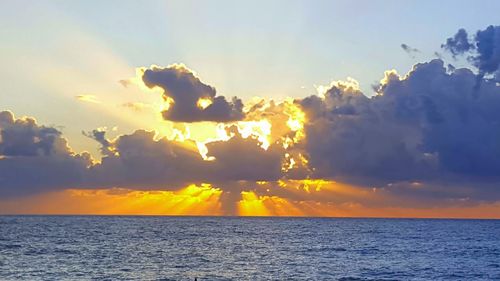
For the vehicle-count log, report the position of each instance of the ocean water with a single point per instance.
(223, 248)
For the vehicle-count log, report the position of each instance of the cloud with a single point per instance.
(137, 106)
(139, 161)
(431, 126)
(409, 50)
(125, 83)
(488, 49)
(136, 160)
(99, 135)
(458, 44)
(190, 99)
(88, 98)
(252, 163)
(347, 139)
(36, 158)
(483, 49)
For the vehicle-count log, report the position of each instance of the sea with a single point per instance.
(250, 248)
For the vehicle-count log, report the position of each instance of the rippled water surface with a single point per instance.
(209, 248)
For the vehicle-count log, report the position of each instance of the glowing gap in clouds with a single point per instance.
(207, 200)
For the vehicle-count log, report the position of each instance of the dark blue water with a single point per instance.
(209, 248)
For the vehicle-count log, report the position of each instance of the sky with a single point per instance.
(289, 108)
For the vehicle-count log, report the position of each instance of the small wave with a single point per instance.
(363, 279)
(125, 269)
(338, 249)
(10, 246)
(352, 279)
(13, 221)
(326, 249)
(65, 251)
(36, 252)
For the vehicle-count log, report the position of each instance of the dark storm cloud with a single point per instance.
(348, 138)
(185, 89)
(483, 49)
(36, 158)
(140, 161)
(242, 159)
(431, 125)
(23, 137)
(458, 44)
(488, 49)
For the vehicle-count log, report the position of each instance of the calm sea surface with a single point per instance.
(210, 248)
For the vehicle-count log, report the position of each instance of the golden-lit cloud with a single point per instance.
(191, 99)
(296, 119)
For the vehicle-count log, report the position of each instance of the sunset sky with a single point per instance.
(276, 108)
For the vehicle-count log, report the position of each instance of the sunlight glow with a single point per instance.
(192, 200)
(205, 199)
(253, 205)
(260, 130)
(168, 101)
(296, 120)
(203, 103)
(221, 135)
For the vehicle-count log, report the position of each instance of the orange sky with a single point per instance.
(206, 200)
